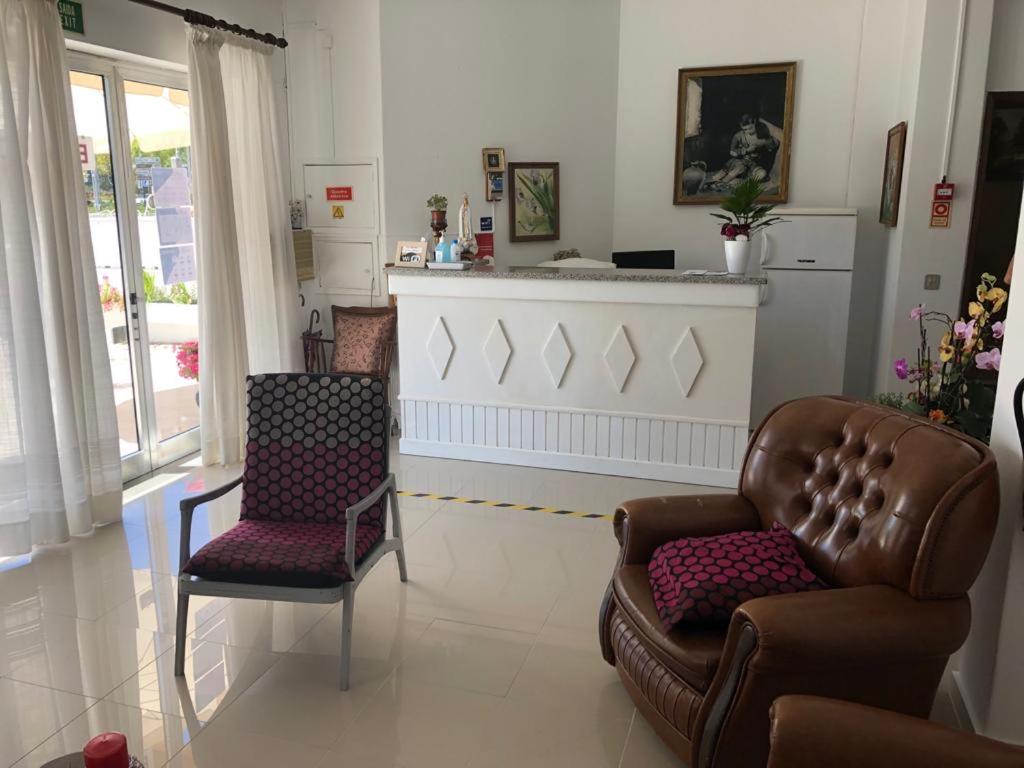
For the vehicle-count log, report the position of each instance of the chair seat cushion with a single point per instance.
(692, 654)
(701, 580)
(283, 554)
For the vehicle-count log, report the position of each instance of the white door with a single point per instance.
(801, 337)
(133, 130)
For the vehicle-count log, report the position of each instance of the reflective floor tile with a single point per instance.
(468, 657)
(29, 714)
(75, 655)
(215, 675)
(152, 737)
(408, 724)
(261, 624)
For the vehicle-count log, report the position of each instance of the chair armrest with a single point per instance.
(188, 507)
(855, 625)
(642, 525)
(352, 518)
(809, 732)
(873, 644)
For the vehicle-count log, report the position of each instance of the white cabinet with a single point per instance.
(345, 266)
(341, 196)
(342, 210)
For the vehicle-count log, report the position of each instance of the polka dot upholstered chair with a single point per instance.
(315, 489)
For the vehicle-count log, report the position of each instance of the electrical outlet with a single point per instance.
(932, 282)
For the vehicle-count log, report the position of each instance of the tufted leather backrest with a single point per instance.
(873, 495)
(315, 445)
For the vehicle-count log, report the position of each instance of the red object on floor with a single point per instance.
(108, 750)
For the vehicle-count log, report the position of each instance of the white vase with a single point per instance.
(737, 256)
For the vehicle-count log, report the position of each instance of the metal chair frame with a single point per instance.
(345, 592)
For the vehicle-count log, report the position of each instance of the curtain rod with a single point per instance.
(203, 19)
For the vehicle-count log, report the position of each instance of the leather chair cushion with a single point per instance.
(701, 580)
(285, 554)
(691, 654)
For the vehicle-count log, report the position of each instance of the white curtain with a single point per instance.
(248, 306)
(60, 469)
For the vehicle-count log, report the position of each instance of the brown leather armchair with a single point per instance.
(810, 732)
(894, 511)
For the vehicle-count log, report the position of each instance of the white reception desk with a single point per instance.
(643, 373)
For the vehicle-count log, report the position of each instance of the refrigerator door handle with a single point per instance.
(765, 247)
(764, 294)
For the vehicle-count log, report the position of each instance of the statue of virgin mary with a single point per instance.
(466, 236)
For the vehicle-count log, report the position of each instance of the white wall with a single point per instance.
(916, 249)
(1006, 57)
(536, 77)
(991, 669)
(991, 673)
(124, 26)
(850, 56)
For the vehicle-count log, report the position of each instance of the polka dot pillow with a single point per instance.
(700, 581)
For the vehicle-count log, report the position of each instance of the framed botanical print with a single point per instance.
(533, 202)
(892, 175)
(733, 124)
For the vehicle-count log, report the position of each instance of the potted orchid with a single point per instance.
(743, 217)
(954, 388)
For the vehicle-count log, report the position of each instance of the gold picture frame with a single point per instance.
(733, 123)
(493, 159)
(412, 253)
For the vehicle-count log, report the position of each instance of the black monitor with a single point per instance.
(644, 259)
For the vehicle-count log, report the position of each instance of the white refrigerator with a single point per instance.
(803, 319)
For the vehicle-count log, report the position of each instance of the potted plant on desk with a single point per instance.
(743, 217)
(438, 205)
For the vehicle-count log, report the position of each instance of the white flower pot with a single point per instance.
(737, 256)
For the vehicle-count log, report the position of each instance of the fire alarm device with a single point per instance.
(943, 192)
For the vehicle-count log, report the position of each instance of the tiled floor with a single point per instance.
(487, 657)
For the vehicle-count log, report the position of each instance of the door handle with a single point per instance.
(764, 294)
(765, 247)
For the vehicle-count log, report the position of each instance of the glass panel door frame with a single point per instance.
(153, 452)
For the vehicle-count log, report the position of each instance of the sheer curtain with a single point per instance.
(248, 307)
(60, 469)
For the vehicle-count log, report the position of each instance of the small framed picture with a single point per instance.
(411, 253)
(494, 160)
(892, 174)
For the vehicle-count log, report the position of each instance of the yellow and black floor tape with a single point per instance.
(505, 505)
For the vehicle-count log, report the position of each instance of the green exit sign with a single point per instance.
(71, 16)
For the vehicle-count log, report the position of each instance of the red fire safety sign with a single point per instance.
(339, 193)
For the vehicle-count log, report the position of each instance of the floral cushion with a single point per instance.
(361, 335)
(701, 581)
(285, 554)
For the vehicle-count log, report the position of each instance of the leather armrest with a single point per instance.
(809, 732)
(855, 625)
(642, 525)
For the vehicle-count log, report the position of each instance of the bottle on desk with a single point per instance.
(441, 250)
(455, 254)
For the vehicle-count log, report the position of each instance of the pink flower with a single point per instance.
(900, 367)
(988, 361)
(916, 312)
(963, 330)
(998, 328)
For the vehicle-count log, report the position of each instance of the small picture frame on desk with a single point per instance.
(411, 253)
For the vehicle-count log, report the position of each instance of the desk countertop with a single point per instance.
(555, 273)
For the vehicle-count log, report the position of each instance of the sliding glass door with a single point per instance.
(133, 129)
